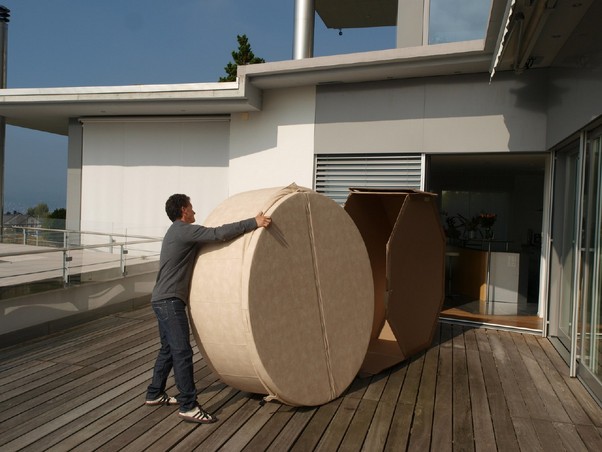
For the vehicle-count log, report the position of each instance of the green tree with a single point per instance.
(56, 220)
(39, 211)
(243, 56)
(58, 214)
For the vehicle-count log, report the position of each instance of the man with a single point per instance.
(170, 295)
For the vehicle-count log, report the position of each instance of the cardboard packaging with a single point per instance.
(405, 240)
(284, 311)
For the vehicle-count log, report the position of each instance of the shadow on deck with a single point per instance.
(474, 389)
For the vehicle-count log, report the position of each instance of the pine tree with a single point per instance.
(243, 56)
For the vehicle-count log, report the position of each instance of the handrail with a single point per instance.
(78, 247)
(110, 234)
(67, 250)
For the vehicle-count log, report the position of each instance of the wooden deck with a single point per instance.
(474, 389)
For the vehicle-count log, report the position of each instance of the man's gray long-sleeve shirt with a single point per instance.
(178, 251)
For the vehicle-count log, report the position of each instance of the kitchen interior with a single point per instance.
(491, 209)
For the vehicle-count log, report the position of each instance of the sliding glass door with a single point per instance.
(590, 365)
(575, 312)
(565, 250)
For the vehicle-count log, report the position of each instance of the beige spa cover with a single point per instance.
(285, 311)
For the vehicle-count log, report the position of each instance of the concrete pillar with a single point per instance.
(74, 175)
(303, 40)
(412, 23)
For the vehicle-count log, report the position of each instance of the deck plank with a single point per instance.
(392, 422)
(271, 429)
(584, 399)
(547, 435)
(505, 436)
(462, 411)
(442, 419)
(249, 429)
(526, 374)
(23, 386)
(379, 435)
(570, 437)
(590, 436)
(43, 346)
(539, 384)
(316, 427)
(293, 428)
(358, 428)
(71, 394)
(526, 435)
(238, 413)
(473, 389)
(223, 403)
(484, 436)
(425, 402)
(515, 398)
(333, 436)
(569, 402)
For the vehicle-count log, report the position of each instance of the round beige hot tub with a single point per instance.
(284, 311)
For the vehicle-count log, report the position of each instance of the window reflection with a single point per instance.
(458, 20)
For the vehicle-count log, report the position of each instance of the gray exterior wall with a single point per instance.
(574, 100)
(530, 112)
(461, 114)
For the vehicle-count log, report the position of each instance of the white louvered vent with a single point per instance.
(336, 173)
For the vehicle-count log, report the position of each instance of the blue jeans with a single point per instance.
(175, 353)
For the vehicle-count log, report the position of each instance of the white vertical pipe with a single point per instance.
(4, 19)
(303, 39)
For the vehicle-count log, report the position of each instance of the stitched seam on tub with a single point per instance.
(312, 242)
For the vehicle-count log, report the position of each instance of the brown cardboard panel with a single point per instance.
(285, 311)
(416, 273)
(375, 229)
(408, 273)
(382, 354)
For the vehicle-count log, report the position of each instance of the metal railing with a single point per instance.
(72, 256)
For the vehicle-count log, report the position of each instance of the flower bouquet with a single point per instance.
(487, 220)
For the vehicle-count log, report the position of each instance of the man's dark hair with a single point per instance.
(175, 204)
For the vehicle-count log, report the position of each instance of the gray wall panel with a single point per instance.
(575, 99)
(435, 115)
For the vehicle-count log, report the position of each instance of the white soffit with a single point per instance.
(49, 109)
(357, 13)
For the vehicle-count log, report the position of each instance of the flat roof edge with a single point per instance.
(378, 57)
(118, 89)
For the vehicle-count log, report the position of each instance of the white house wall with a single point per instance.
(274, 147)
(130, 167)
(460, 114)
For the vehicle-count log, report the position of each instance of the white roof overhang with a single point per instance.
(49, 109)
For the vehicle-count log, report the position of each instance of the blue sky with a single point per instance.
(124, 42)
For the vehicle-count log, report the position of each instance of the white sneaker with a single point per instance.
(198, 415)
(163, 399)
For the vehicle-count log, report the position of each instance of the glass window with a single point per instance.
(592, 264)
(458, 20)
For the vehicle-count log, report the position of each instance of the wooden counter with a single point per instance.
(470, 274)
